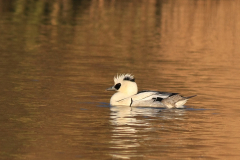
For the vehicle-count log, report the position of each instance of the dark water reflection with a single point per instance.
(58, 57)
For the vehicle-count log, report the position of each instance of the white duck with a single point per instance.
(127, 95)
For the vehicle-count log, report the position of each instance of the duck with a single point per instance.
(127, 95)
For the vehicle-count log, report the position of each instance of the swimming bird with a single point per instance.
(127, 95)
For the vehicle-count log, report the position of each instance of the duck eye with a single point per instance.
(117, 86)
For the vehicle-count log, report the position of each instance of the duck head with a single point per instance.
(125, 84)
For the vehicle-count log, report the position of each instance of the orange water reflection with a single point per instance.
(58, 57)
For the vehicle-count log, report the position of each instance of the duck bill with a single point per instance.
(111, 89)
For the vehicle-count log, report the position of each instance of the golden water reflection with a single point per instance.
(57, 58)
(127, 122)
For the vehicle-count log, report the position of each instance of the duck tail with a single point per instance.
(180, 103)
(190, 97)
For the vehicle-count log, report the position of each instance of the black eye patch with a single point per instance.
(117, 86)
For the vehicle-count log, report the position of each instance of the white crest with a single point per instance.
(120, 77)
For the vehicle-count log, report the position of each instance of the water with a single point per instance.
(57, 59)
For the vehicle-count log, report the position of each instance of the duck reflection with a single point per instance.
(130, 123)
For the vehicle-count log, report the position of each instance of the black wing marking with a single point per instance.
(157, 99)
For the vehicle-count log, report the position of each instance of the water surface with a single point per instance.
(57, 59)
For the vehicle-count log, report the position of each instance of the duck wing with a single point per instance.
(144, 95)
(147, 98)
(152, 95)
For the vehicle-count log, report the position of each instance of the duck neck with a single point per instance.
(131, 89)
